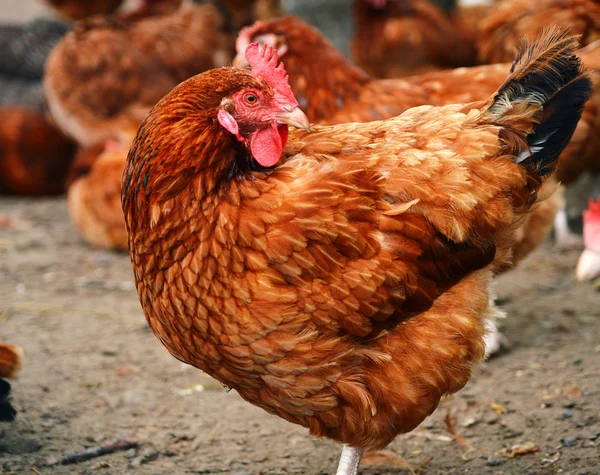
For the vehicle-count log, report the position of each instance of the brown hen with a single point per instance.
(106, 74)
(510, 20)
(339, 280)
(93, 196)
(77, 9)
(34, 155)
(395, 38)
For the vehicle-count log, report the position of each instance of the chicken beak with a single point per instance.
(239, 61)
(588, 266)
(294, 117)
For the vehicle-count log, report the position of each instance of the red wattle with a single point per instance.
(267, 145)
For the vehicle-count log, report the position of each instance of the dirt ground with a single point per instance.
(93, 372)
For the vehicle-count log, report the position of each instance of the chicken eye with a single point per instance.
(250, 99)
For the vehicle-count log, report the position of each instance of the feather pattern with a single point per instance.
(346, 288)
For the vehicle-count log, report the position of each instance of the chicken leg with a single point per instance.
(349, 461)
(563, 235)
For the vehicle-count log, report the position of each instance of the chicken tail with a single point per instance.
(7, 411)
(540, 104)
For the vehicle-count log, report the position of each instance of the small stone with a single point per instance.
(148, 455)
(577, 362)
(12, 443)
(569, 441)
(131, 453)
(492, 420)
(494, 462)
(567, 414)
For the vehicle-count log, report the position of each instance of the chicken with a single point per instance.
(511, 20)
(588, 266)
(244, 12)
(106, 74)
(340, 278)
(77, 9)
(34, 155)
(10, 365)
(395, 38)
(94, 190)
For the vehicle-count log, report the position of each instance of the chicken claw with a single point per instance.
(349, 461)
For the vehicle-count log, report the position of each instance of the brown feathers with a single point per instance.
(34, 155)
(511, 20)
(94, 192)
(406, 37)
(11, 357)
(346, 288)
(105, 75)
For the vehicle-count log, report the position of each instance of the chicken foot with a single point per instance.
(349, 461)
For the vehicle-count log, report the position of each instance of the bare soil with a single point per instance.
(93, 372)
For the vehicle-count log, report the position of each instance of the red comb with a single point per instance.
(264, 65)
(245, 36)
(591, 225)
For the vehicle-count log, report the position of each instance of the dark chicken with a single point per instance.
(319, 274)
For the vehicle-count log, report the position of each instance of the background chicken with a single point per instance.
(395, 38)
(339, 281)
(34, 155)
(106, 74)
(10, 365)
(77, 9)
(94, 190)
(588, 266)
(510, 20)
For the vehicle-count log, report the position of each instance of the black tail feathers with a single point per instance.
(544, 97)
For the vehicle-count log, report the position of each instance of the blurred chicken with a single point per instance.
(23, 52)
(77, 9)
(469, 19)
(337, 276)
(511, 20)
(395, 38)
(588, 266)
(94, 190)
(105, 75)
(11, 357)
(34, 155)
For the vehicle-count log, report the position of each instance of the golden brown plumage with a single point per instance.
(93, 195)
(344, 288)
(331, 91)
(404, 37)
(511, 20)
(34, 155)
